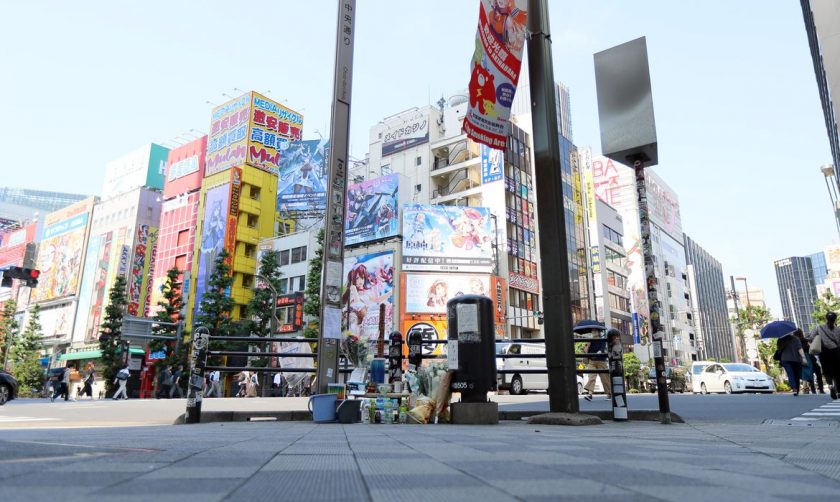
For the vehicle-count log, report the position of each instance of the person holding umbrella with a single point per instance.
(789, 350)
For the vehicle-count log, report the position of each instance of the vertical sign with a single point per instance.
(331, 274)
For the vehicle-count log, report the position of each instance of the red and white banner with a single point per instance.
(495, 70)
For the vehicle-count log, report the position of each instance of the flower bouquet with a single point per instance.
(356, 349)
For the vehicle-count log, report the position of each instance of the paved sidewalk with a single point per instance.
(511, 461)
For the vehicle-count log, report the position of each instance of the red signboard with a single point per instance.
(185, 168)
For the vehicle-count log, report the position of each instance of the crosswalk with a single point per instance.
(6, 419)
(828, 411)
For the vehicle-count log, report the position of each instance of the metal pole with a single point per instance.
(272, 328)
(654, 305)
(738, 332)
(332, 271)
(198, 361)
(557, 301)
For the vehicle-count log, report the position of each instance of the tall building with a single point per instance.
(238, 197)
(18, 248)
(143, 167)
(20, 205)
(615, 184)
(61, 259)
(609, 269)
(822, 24)
(179, 216)
(820, 267)
(708, 300)
(797, 289)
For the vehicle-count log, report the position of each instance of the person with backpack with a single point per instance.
(176, 382)
(122, 380)
(829, 351)
(88, 381)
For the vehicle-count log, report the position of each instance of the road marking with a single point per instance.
(25, 419)
(828, 411)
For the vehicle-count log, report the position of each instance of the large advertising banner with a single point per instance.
(372, 210)
(212, 236)
(270, 129)
(233, 213)
(369, 283)
(491, 165)
(663, 205)
(496, 62)
(405, 132)
(227, 144)
(60, 258)
(428, 293)
(447, 239)
(498, 293)
(302, 182)
(86, 287)
(57, 321)
(140, 263)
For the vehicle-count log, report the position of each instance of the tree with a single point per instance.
(25, 355)
(822, 306)
(633, 370)
(170, 312)
(260, 308)
(753, 317)
(312, 303)
(110, 334)
(9, 329)
(216, 304)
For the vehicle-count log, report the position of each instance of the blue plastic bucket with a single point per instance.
(322, 407)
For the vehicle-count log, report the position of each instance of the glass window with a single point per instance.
(284, 286)
(284, 257)
(299, 254)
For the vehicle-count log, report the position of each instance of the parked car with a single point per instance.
(521, 383)
(732, 378)
(674, 378)
(8, 387)
(697, 368)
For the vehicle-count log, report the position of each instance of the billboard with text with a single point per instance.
(368, 283)
(428, 293)
(302, 181)
(447, 238)
(372, 210)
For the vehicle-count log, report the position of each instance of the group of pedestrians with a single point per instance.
(169, 382)
(65, 382)
(810, 358)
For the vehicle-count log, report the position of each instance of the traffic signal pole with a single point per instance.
(557, 301)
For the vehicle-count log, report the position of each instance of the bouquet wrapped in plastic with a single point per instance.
(433, 393)
(356, 349)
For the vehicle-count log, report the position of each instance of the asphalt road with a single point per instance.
(724, 409)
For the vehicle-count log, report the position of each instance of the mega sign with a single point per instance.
(227, 143)
(405, 135)
(271, 128)
(447, 238)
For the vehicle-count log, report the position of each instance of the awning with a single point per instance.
(96, 354)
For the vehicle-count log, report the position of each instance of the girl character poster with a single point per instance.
(369, 283)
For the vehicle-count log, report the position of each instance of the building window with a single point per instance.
(612, 235)
(301, 283)
(255, 192)
(183, 237)
(253, 220)
(419, 161)
(247, 280)
(250, 250)
(299, 254)
(243, 311)
(181, 262)
(284, 257)
(284, 286)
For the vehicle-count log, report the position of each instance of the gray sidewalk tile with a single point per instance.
(303, 485)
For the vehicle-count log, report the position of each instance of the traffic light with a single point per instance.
(29, 276)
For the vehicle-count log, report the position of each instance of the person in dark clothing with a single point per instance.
(792, 357)
(62, 386)
(176, 382)
(829, 357)
(88, 381)
(164, 382)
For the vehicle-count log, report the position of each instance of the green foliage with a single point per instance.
(169, 310)
(633, 371)
(312, 293)
(110, 333)
(753, 317)
(260, 307)
(9, 328)
(822, 306)
(25, 353)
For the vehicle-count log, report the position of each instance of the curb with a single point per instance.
(305, 416)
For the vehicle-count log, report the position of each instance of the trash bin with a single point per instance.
(471, 348)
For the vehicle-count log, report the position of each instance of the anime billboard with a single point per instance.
(372, 210)
(302, 182)
(212, 237)
(60, 258)
(447, 239)
(369, 283)
(491, 165)
(428, 293)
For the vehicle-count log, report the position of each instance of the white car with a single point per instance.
(521, 383)
(733, 378)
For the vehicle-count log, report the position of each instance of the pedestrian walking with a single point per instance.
(122, 380)
(829, 356)
(251, 386)
(279, 384)
(597, 359)
(89, 379)
(60, 385)
(164, 382)
(176, 382)
(790, 354)
(244, 377)
(215, 386)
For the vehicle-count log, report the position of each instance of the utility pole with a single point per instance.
(557, 301)
(332, 271)
(738, 332)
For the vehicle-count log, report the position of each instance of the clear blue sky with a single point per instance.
(740, 129)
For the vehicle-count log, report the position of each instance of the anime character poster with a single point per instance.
(495, 66)
(212, 237)
(447, 239)
(491, 164)
(371, 210)
(302, 181)
(368, 283)
(146, 237)
(60, 259)
(428, 293)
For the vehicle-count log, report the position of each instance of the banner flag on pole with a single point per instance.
(496, 62)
